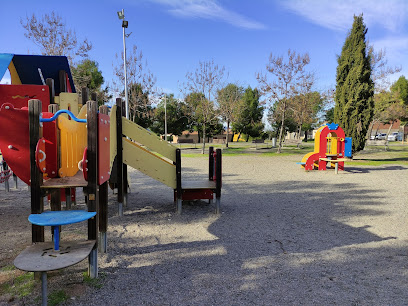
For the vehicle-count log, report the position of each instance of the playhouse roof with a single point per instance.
(27, 68)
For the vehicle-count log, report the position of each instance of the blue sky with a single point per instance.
(175, 35)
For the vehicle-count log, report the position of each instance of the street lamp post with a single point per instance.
(125, 23)
(165, 117)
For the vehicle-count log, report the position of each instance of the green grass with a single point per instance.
(21, 286)
(7, 268)
(57, 297)
(94, 282)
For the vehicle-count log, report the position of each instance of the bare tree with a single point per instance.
(141, 85)
(50, 33)
(206, 79)
(287, 78)
(381, 71)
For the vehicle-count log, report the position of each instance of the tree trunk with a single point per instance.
(386, 136)
(370, 130)
(226, 143)
(306, 136)
(281, 129)
(202, 152)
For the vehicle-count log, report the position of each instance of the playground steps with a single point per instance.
(41, 257)
(65, 182)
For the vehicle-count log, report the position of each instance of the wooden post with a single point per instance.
(15, 181)
(218, 182)
(6, 180)
(178, 179)
(125, 173)
(119, 156)
(211, 163)
(62, 80)
(103, 206)
(36, 177)
(93, 192)
(84, 95)
(94, 97)
(50, 84)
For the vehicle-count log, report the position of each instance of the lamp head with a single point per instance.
(125, 24)
(121, 14)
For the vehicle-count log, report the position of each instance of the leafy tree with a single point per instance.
(229, 99)
(202, 84)
(177, 121)
(87, 74)
(274, 117)
(249, 114)
(354, 107)
(287, 78)
(401, 86)
(329, 116)
(305, 108)
(50, 33)
(199, 110)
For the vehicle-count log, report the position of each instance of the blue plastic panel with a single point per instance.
(347, 147)
(56, 218)
(5, 59)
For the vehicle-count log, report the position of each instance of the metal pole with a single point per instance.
(44, 293)
(165, 118)
(125, 70)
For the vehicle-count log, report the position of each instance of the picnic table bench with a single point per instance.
(335, 161)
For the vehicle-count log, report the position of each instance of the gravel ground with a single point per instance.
(284, 237)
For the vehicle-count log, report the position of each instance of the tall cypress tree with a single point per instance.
(354, 96)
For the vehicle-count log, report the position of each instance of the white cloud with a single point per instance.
(338, 14)
(209, 9)
(396, 49)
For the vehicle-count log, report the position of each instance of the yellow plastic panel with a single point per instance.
(69, 101)
(113, 142)
(149, 163)
(148, 139)
(73, 140)
(15, 79)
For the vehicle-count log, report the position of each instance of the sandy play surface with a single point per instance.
(284, 237)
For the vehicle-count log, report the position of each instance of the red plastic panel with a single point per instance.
(18, 95)
(51, 149)
(103, 148)
(84, 166)
(40, 155)
(195, 194)
(14, 140)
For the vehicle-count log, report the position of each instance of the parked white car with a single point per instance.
(393, 136)
(381, 136)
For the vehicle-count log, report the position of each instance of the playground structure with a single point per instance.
(330, 149)
(60, 142)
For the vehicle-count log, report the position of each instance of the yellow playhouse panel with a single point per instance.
(149, 163)
(69, 101)
(73, 140)
(148, 139)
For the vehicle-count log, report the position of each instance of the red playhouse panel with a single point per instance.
(195, 194)
(103, 148)
(18, 95)
(14, 140)
(51, 148)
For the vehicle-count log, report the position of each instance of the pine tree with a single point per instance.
(354, 96)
